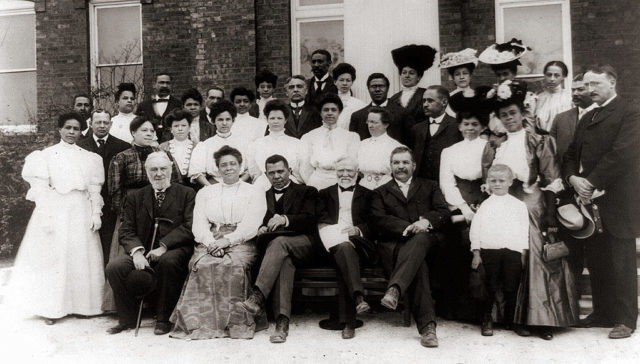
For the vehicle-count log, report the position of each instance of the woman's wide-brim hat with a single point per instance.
(476, 105)
(501, 53)
(455, 59)
(418, 57)
(577, 219)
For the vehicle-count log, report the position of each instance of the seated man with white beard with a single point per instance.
(159, 265)
(343, 212)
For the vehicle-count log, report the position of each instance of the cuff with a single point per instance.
(135, 250)
(286, 224)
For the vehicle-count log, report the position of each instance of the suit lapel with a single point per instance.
(603, 113)
(169, 199)
(271, 201)
(147, 200)
(413, 189)
(443, 125)
(334, 203)
(395, 190)
(289, 196)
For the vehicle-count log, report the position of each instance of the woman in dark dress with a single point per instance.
(412, 60)
(551, 300)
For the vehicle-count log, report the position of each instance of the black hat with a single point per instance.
(343, 68)
(266, 76)
(509, 93)
(478, 104)
(418, 57)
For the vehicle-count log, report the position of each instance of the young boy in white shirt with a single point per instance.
(499, 233)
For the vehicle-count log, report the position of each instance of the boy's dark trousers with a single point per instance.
(503, 268)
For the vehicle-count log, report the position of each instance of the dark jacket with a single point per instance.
(314, 97)
(607, 146)
(427, 149)
(391, 212)
(399, 127)
(207, 128)
(414, 106)
(138, 219)
(309, 119)
(328, 206)
(146, 109)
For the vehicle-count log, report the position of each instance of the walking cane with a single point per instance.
(156, 222)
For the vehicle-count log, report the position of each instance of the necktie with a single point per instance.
(596, 111)
(296, 114)
(279, 192)
(160, 100)
(347, 189)
(160, 195)
(319, 85)
(101, 146)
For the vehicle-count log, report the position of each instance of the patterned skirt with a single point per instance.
(206, 308)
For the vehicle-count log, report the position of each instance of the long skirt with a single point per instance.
(207, 306)
(552, 299)
(59, 268)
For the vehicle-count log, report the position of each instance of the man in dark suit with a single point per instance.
(602, 165)
(290, 230)
(98, 140)
(400, 123)
(304, 116)
(431, 136)
(343, 214)
(158, 266)
(207, 126)
(83, 104)
(321, 83)
(406, 212)
(562, 130)
(160, 105)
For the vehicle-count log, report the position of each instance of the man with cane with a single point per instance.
(157, 238)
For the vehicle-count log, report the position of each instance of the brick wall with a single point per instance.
(200, 43)
(273, 39)
(608, 32)
(62, 55)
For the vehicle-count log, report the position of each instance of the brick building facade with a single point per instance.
(206, 42)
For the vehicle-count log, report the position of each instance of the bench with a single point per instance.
(373, 280)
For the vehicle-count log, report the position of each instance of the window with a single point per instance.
(316, 24)
(116, 46)
(17, 67)
(543, 25)
(375, 27)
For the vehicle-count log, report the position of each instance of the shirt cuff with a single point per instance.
(286, 224)
(135, 250)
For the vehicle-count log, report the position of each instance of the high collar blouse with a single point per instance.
(462, 160)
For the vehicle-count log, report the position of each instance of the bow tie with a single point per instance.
(347, 189)
(160, 100)
(279, 192)
(434, 121)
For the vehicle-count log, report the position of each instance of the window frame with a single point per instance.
(309, 14)
(567, 53)
(94, 7)
(13, 9)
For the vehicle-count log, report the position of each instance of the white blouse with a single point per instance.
(202, 161)
(374, 160)
(261, 104)
(63, 168)
(194, 129)
(120, 126)
(324, 147)
(550, 104)
(239, 204)
(350, 105)
(252, 128)
(275, 143)
(407, 94)
(462, 160)
(513, 153)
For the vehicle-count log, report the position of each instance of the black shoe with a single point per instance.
(49, 321)
(349, 332)
(522, 331)
(594, 321)
(428, 337)
(487, 328)
(546, 334)
(120, 328)
(282, 330)
(391, 298)
(162, 328)
(253, 304)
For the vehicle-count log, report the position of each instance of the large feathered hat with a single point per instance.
(418, 57)
(477, 105)
(501, 53)
(456, 59)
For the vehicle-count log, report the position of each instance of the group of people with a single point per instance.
(479, 203)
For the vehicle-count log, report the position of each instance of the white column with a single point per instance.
(374, 27)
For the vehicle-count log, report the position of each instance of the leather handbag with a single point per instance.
(553, 249)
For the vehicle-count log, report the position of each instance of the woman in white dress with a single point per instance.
(202, 168)
(344, 75)
(375, 152)
(275, 142)
(554, 99)
(326, 144)
(59, 267)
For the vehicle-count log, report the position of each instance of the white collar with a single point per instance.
(283, 188)
(184, 142)
(519, 133)
(608, 101)
(298, 105)
(384, 104)
(438, 119)
(587, 109)
(412, 88)
(380, 137)
(156, 97)
(345, 96)
(95, 138)
(329, 127)
(124, 113)
(401, 184)
(324, 78)
(276, 133)
(223, 136)
(224, 185)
